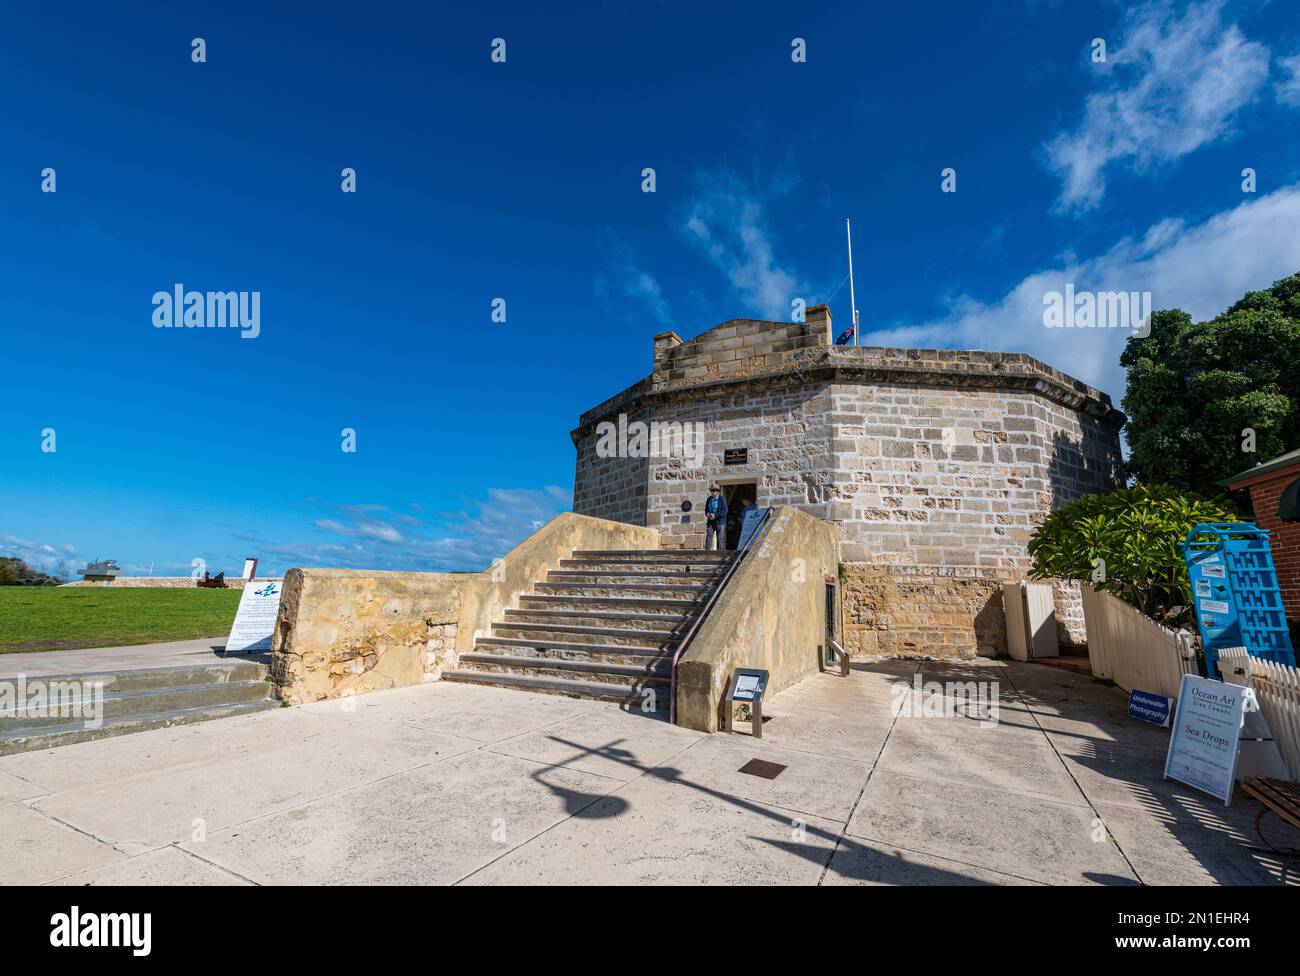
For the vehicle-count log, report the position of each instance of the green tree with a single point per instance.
(13, 570)
(1126, 543)
(1194, 387)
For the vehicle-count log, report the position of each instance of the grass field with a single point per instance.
(40, 618)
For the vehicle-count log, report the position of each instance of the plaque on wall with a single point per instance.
(735, 455)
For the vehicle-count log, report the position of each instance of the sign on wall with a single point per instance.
(255, 619)
(1206, 731)
(735, 455)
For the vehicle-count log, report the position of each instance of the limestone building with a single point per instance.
(936, 465)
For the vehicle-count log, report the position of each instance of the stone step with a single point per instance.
(680, 567)
(615, 579)
(648, 641)
(27, 740)
(569, 651)
(630, 693)
(640, 606)
(605, 672)
(79, 705)
(653, 555)
(696, 592)
(605, 619)
(140, 679)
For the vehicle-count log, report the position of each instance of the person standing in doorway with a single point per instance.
(715, 520)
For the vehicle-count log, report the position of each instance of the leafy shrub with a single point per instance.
(1126, 543)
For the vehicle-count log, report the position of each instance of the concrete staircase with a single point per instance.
(604, 625)
(138, 700)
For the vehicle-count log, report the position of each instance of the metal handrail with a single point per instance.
(708, 605)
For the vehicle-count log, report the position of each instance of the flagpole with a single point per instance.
(853, 302)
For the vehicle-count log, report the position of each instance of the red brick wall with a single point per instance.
(1284, 537)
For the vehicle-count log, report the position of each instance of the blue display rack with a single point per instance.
(1234, 586)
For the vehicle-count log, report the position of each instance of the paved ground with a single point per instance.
(202, 650)
(452, 783)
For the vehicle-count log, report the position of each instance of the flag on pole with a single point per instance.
(844, 338)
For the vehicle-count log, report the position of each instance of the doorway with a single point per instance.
(736, 495)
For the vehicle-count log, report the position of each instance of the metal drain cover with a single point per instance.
(763, 768)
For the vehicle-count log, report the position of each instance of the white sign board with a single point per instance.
(1205, 733)
(255, 619)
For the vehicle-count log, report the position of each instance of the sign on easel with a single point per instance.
(747, 687)
(1206, 732)
(255, 620)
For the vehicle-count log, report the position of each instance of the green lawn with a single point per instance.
(50, 618)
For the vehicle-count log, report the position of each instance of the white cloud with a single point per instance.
(365, 530)
(1201, 269)
(1173, 84)
(40, 555)
(631, 280)
(466, 540)
(1288, 86)
(727, 221)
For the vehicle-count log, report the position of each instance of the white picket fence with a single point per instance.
(1133, 650)
(1278, 689)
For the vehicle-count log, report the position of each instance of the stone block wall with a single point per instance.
(737, 348)
(1068, 598)
(915, 611)
(787, 435)
(956, 477)
(940, 611)
(611, 487)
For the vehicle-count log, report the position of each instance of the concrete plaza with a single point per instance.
(447, 783)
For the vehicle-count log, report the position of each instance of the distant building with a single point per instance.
(937, 465)
(1274, 488)
(102, 570)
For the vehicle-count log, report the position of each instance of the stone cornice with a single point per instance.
(962, 369)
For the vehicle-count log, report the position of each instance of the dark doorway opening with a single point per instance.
(736, 495)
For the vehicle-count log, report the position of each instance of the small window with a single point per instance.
(1288, 510)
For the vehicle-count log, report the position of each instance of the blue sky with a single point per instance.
(522, 180)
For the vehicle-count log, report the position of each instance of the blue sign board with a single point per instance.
(1236, 594)
(1149, 707)
(752, 519)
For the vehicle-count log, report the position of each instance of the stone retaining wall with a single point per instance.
(342, 632)
(172, 582)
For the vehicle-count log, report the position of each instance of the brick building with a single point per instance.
(937, 465)
(1274, 489)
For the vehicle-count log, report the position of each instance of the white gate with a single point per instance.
(1278, 689)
